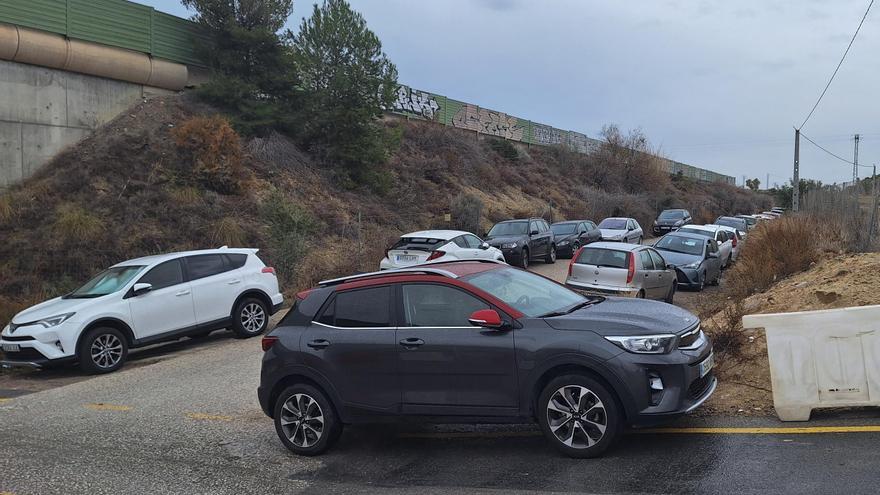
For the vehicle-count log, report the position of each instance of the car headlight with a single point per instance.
(508, 245)
(645, 344)
(695, 264)
(54, 321)
(563, 243)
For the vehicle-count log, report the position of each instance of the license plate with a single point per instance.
(406, 258)
(707, 364)
(11, 348)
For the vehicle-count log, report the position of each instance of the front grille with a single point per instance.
(700, 386)
(13, 338)
(26, 354)
(690, 338)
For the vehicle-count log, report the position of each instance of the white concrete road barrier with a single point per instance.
(828, 358)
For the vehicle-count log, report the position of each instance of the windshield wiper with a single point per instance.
(584, 304)
(83, 296)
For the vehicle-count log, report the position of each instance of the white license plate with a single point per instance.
(707, 364)
(406, 258)
(11, 348)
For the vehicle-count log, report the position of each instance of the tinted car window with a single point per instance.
(603, 257)
(438, 306)
(679, 244)
(533, 227)
(591, 225)
(164, 275)
(204, 265)
(236, 260)
(659, 262)
(363, 308)
(562, 228)
(460, 242)
(544, 226)
(417, 244)
(645, 258)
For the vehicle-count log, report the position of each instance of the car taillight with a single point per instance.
(267, 342)
(573, 258)
(268, 269)
(631, 270)
(436, 254)
(303, 294)
(734, 241)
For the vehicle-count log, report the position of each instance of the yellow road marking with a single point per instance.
(780, 430)
(208, 417)
(100, 406)
(776, 430)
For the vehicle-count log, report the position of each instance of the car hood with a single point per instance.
(679, 259)
(624, 316)
(613, 232)
(668, 223)
(498, 241)
(53, 307)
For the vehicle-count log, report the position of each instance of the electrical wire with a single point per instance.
(844, 160)
(838, 66)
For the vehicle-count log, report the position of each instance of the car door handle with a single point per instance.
(182, 293)
(233, 282)
(319, 344)
(412, 342)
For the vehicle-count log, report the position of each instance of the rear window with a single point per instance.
(418, 244)
(603, 257)
(204, 265)
(730, 222)
(359, 308)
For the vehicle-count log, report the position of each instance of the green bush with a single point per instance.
(505, 149)
(289, 229)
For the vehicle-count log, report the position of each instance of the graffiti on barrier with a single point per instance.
(417, 102)
(488, 122)
(546, 135)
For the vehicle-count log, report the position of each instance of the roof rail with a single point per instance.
(462, 261)
(433, 271)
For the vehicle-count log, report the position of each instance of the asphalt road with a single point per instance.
(184, 419)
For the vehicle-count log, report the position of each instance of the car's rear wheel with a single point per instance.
(578, 416)
(524, 261)
(250, 318)
(305, 420)
(640, 294)
(102, 350)
(671, 295)
(551, 255)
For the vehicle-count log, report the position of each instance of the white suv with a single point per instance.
(145, 301)
(437, 245)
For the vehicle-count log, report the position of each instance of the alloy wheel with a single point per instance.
(252, 317)
(106, 351)
(576, 416)
(553, 253)
(302, 420)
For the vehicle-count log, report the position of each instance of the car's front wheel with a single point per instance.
(250, 318)
(305, 420)
(578, 416)
(524, 261)
(102, 350)
(551, 255)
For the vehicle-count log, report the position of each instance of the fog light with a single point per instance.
(656, 383)
(58, 345)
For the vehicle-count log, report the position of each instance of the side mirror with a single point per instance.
(534, 232)
(486, 318)
(712, 255)
(484, 246)
(670, 267)
(141, 289)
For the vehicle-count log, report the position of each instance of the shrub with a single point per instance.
(6, 211)
(289, 230)
(466, 210)
(215, 152)
(228, 232)
(504, 148)
(74, 224)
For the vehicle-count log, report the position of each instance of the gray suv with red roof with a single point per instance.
(484, 342)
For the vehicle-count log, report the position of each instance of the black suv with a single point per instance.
(670, 220)
(523, 240)
(484, 342)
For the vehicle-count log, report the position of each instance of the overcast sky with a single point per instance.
(715, 84)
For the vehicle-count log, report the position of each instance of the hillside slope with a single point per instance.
(134, 188)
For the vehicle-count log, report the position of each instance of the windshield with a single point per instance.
(613, 224)
(705, 233)
(509, 228)
(677, 244)
(671, 215)
(563, 228)
(730, 222)
(531, 294)
(749, 220)
(106, 282)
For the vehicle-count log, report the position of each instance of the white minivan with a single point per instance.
(145, 301)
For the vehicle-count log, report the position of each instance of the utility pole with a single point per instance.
(795, 176)
(873, 207)
(856, 161)
(767, 184)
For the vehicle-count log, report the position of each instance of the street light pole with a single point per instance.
(795, 176)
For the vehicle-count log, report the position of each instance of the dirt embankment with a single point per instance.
(836, 281)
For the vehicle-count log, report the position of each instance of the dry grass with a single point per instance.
(75, 224)
(228, 232)
(216, 153)
(6, 210)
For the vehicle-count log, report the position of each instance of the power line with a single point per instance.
(844, 160)
(838, 66)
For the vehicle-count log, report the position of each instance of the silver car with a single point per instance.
(619, 269)
(621, 229)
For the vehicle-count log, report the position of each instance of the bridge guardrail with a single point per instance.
(820, 359)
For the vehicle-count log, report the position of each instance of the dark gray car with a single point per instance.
(479, 342)
(523, 240)
(670, 220)
(572, 234)
(696, 259)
